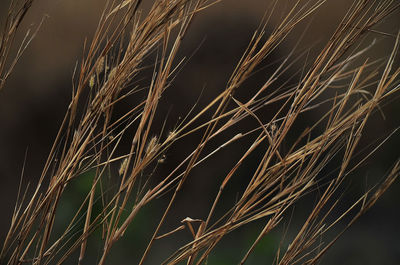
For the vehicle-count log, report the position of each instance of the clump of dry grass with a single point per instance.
(91, 135)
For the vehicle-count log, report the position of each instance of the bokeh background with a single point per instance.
(37, 94)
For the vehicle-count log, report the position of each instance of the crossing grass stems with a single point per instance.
(91, 135)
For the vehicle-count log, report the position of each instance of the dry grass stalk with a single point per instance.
(91, 135)
(16, 13)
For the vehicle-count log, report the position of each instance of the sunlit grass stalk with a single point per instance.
(91, 134)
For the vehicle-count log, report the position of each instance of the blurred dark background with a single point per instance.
(33, 103)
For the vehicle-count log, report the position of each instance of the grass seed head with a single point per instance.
(123, 167)
(152, 146)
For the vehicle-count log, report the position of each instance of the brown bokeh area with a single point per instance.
(37, 94)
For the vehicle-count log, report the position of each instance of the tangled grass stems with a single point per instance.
(91, 135)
